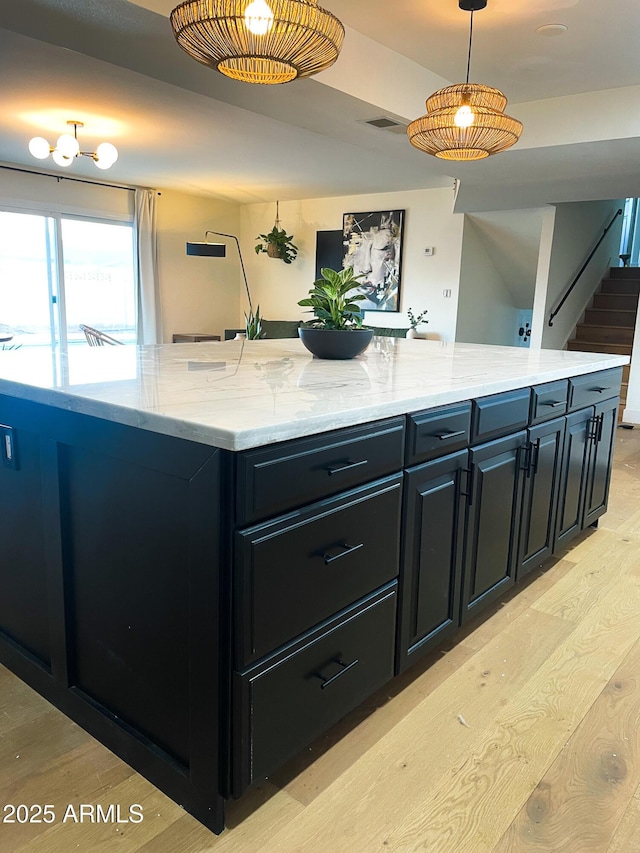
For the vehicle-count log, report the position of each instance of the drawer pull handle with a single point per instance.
(345, 668)
(553, 405)
(600, 390)
(345, 466)
(443, 436)
(348, 549)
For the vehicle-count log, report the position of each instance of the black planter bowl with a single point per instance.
(335, 343)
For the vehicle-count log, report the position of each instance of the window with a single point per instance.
(58, 271)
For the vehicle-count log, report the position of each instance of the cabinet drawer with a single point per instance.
(549, 400)
(289, 700)
(499, 414)
(274, 479)
(296, 571)
(438, 432)
(594, 387)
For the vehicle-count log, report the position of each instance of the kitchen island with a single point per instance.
(213, 552)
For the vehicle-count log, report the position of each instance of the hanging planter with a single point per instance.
(277, 243)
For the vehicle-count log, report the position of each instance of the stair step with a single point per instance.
(610, 317)
(599, 346)
(618, 301)
(620, 285)
(624, 272)
(611, 334)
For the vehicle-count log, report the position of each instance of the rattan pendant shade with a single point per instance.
(491, 132)
(301, 40)
(484, 131)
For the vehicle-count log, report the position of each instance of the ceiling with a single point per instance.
(115, 66)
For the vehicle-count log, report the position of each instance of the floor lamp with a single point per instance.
(219, 250)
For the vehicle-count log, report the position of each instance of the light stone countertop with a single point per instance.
(242, 394)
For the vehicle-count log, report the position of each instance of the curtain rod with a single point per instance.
(69, 178)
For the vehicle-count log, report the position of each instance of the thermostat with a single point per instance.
(429, 250)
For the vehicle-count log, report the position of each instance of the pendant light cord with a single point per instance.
(470, 40)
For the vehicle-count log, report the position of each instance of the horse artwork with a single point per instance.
(372, 245)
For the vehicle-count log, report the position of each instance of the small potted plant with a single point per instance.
(414, 322)
(336, 330)
(277, 244)
(253, 325)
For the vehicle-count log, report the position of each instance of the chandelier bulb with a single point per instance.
(105, 156)
(61, 159)
(258, 17)
(464, 116)
(68, 145)
(39, 148)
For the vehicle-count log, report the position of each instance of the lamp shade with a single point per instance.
(259, 42)
(207, 250)
(487, 131)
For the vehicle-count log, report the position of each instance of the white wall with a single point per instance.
(577, 228)
(429, 221)
(486, 311)
(197, 294)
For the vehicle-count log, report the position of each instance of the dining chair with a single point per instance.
(96, 338)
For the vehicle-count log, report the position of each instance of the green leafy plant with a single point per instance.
(277, 244)
(253, 325)
(415, 321)
(332, 301)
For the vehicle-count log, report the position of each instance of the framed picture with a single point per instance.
(372, 245)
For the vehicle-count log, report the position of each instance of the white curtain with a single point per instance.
(149, 319)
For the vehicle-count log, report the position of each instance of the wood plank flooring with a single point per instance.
(523, 737)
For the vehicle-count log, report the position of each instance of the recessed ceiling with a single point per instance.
(115, 66)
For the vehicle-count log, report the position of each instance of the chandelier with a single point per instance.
(67, 148)
(465, 121)
(259, 42)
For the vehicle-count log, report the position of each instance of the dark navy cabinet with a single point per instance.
(435, 514)
(207, 614)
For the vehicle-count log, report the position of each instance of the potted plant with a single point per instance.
(253, 325)
(277, 244)
(336, 330)
(414, 322)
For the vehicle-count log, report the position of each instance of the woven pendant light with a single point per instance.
(465, 121)
(259, 41)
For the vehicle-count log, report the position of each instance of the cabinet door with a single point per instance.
(495, 500)
(603, 436)
(24, 598)
(432, 562)
(541, 488)
(573, 479)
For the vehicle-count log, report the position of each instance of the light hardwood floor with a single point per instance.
(524, 736)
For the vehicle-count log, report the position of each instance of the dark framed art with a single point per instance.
(372, 245)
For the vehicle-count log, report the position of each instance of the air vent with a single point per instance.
(386, 123)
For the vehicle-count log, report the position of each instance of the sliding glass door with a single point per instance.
(57, 272)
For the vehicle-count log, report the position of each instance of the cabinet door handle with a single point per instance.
(344, 466)
(535, 456)
(600, 429)
(348, 549)
(444, 436)
(468, 494)
(524, 457)
(554, 404)
(345, 668)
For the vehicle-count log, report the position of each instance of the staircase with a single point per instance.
(609, 324)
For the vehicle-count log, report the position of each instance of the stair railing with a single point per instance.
(583, 268)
